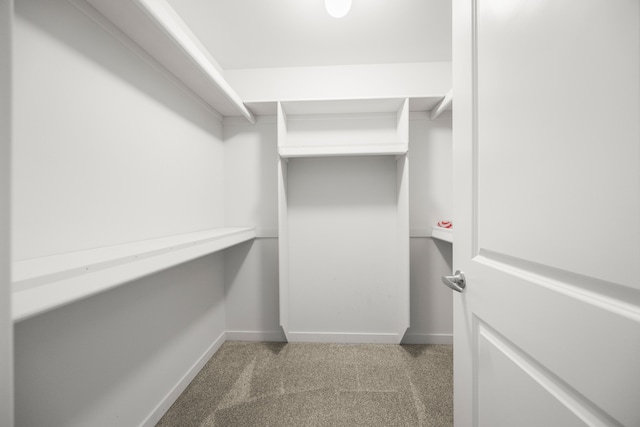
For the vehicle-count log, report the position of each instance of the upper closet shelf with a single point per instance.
(355, 127)
(160, 31)
(42, 284)
(416, 103)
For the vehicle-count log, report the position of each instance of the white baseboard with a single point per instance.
(177, 390)
(276, 336)
(347, 338)
(410, 338)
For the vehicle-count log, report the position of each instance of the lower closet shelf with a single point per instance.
(441, 233)
(43, 284)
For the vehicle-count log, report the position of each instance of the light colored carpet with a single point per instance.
(296, 384)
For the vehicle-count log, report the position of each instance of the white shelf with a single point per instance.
(158, 30)
(344, 150)
(417, 103)
(354, 127)
(43, 284)
(342, 106)
(440, 233)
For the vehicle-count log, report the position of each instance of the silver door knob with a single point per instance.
(456, 282)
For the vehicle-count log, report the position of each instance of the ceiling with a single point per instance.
(298, 33)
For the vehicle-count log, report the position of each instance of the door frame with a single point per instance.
(6, 323)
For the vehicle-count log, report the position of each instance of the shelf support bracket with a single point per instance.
(442, 105)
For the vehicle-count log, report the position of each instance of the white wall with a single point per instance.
(251, 291)
(343, 251)
(251, 269)
(251, 160)
(6, 326)
(431, 174)
(430, 200)
(431, 301)
(111, 359)
(251, 198)
(342, 82)
(108, 150)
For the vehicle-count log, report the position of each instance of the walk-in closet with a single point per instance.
(164, 202)
(242, 180)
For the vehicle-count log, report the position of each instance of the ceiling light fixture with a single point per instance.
(337, 8)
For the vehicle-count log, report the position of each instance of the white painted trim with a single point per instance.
(278, 336)
(411, 338)
(346, 338)
(182, 384)
(256, 336)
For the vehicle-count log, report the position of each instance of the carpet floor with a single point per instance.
(300, 384)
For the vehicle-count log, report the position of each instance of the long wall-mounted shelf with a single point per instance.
(416, 104)
(159, 30)
(46, 283)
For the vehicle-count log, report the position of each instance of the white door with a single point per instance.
(547, 212)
